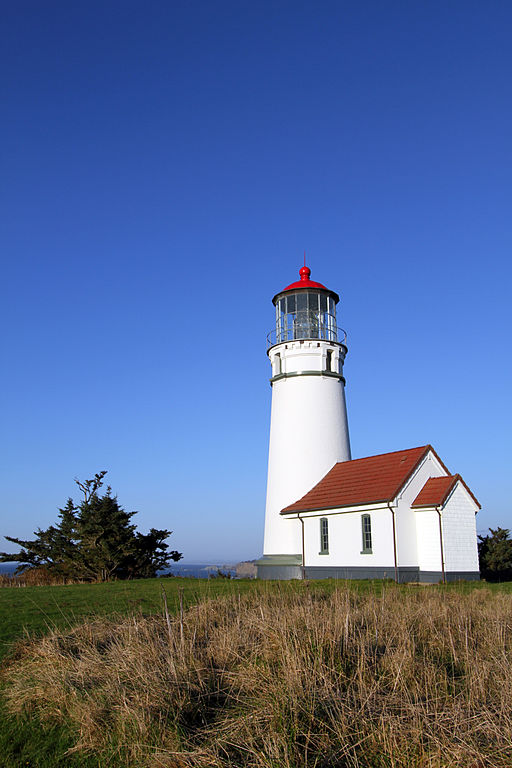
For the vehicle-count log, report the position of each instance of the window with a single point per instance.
(313, 299)
(366, 527)
(277, 364)
(324, 536)
(291, 306)
(302, 302)
(328, 362)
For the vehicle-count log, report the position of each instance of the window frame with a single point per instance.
(366, 535)
(324, 536)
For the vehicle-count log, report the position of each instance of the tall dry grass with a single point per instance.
(286, 679)
(34, 577)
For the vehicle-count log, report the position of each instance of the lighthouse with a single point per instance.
(308, 427)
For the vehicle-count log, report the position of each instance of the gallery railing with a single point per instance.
(293, 327)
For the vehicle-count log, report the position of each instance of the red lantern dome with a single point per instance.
(304, 281)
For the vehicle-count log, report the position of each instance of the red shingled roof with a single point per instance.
(362, 481)
(437, 489)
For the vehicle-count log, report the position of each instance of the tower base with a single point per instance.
(279, 567)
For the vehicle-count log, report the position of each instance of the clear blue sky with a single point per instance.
(165, 164)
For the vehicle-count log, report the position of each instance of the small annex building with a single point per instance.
(399, 515)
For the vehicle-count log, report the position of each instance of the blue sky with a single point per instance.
(164, 166)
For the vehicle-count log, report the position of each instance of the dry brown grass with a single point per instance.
(287, 679)
(33, 577)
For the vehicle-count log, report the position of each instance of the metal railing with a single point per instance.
(306, 331)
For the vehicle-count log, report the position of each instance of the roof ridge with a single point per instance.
(444, 477)
(386, 453)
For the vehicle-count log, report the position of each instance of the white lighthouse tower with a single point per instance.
(308, 429)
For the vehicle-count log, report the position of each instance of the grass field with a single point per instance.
(35, 611)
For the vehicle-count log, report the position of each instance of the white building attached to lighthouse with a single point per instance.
(399, 515)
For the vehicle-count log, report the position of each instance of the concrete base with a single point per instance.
(289, 567)
(435, 576)
(332, 572)
(279, 567)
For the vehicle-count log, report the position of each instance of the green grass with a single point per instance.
(32, 611)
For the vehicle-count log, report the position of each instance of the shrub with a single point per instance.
(495, 555)
(93, 541)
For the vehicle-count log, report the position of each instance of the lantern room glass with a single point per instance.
(305, 315)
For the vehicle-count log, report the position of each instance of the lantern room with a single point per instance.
(305, 310)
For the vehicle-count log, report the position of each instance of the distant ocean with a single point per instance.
(6, 569)
(201, 570)
(194, 570)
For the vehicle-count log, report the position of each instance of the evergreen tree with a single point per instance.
(495, 555)
(94, 541)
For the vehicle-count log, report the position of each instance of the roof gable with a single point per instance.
(436, 491)
(362, 481)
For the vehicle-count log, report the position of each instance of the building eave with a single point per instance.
(318, 511)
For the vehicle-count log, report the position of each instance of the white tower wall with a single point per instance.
(308, 430)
